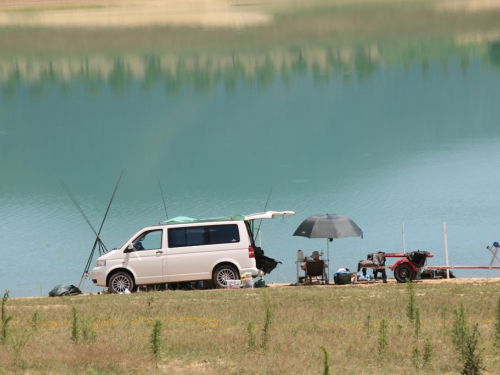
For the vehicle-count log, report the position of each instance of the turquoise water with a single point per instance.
(410, 141)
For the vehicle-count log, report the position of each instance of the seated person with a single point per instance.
(314, 257)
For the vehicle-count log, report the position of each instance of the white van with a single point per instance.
(217, 250)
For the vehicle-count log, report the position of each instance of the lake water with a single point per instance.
(338, 109)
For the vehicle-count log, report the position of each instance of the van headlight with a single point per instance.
(100, 263)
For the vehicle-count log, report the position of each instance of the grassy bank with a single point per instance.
(363, 329)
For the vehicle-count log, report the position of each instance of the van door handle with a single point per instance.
(159, 252)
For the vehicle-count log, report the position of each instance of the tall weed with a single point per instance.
(75, 326)
(472, 363)
(466, 343)
(19, 342)
(5, 319)
(496, 342)
(415, 356)
(326, 362)
(35, 320)
(155, 342)
(427, 356)
(410, 308)
(251, 336)
(88, 331)
(460, 332)
(382, 336)
(368, 325)
(417, 322)
(267, 321)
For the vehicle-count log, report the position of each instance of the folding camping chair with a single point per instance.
(315, 269)
(494, 251)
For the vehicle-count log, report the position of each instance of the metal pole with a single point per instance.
(328, 256)
(446, 250)
(403, 232)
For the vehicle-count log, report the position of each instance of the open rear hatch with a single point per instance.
(264, 263)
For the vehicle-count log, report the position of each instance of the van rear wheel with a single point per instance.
(224, 273)
(121, 281)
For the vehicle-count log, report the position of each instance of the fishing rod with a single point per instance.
(98, 239)
(265, 207)
(78, 207)
(162, 197)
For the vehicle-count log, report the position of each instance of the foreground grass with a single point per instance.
(221, 331)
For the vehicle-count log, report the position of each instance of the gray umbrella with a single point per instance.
(329, 227)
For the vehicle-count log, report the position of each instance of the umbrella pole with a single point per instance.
(328, 258)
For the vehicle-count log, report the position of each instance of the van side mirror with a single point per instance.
(130, 248)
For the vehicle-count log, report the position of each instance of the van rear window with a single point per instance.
(203, 235)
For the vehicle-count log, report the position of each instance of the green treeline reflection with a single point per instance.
(204, 72)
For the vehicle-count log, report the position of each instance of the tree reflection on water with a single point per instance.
(204, 72)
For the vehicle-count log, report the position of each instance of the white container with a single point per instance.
(300, 256)
(233, 284)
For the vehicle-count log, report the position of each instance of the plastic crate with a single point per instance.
(233, 284)
(247, 283)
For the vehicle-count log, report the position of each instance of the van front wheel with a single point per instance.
(224, 273)
(121, 281)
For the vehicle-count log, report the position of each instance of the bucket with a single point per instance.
(261, 284)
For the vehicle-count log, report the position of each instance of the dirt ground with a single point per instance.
(393, 281)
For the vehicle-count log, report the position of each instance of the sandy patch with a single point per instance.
(366, 284)
(114, 14)
(477, 38)
(470, 6)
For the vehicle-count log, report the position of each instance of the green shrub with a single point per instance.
(75, 326)
(155, 342)
(382, 337)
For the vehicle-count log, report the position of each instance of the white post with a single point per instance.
(403, 231)
(446, 250)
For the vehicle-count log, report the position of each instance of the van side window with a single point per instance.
(149, 240)
(224, 234)
(205, 235)
(195, 236)
(177, 237)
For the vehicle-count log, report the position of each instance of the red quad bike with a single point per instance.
(407, 267)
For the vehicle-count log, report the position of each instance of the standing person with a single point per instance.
(379, 260)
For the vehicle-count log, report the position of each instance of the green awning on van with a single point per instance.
(185, 219)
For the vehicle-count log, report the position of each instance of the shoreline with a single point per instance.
(362, 284)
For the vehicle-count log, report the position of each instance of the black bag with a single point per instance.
(64, 290)
(342, 278)
(418, 258)
(428, 274)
